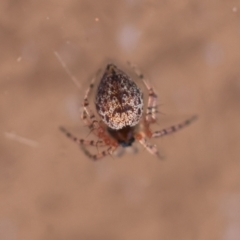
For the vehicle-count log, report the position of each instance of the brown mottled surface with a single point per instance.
(119, 101)
(50, 190)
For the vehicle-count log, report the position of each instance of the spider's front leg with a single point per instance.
(99, 155)
(97, 143)
(148, 146)
(173, 128)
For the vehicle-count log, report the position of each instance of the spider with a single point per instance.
(119, 103)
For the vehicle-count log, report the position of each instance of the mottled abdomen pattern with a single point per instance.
(119, 101)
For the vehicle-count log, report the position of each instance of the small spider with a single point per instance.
(119, 103)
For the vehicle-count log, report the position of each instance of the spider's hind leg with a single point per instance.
(87, 114)
(152, 96)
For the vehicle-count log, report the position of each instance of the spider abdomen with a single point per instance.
(119, 101)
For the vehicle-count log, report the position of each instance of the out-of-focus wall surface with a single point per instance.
(189, 50)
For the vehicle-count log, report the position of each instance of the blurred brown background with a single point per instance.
(50, 190)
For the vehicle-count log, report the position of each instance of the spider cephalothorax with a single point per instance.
(119, 103)
(125, 136)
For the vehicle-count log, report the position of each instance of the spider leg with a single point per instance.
(148, 146)
(96, 126)
(89, 119)
(173, 128)
(98, 143)
(92, 122)
(100, 155)
(152, 96)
